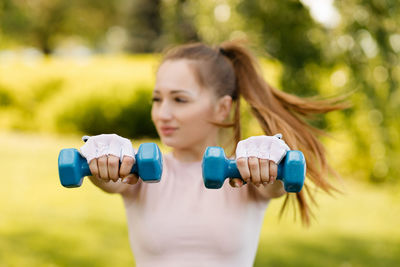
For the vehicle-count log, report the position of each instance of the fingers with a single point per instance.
(273, 171)
(113, 167)
(265, 171)
(255, 170)
(126, 166)
(103, 168)
(243, 168)
(107, 168)
(94, 168)
(254, 166)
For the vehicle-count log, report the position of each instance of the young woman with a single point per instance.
(178, 222)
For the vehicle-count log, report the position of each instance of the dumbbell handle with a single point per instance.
(233, 171)
(293, 174)
(85, 166)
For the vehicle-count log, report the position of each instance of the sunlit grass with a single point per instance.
(44, 224)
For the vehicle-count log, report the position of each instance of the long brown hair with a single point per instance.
(231, 69)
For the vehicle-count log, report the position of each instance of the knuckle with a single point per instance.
(128, 160)
(102, 160)
(113, 163)
(253, 162)
(241, 162)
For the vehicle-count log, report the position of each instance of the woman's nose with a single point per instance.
(165, 111)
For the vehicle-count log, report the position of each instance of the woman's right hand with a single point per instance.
(104, 153)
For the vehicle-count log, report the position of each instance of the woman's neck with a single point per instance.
(192, 154)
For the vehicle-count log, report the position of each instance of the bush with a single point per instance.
(107, 113)
(6, 98)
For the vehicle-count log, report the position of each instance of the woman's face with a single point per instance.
(181, 107)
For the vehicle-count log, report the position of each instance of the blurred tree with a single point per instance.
(150, 24)
(42, 23)
(283, 30)
(144, 25)
(367, 46)
(153, 25)
(184, 16)
(178, 22)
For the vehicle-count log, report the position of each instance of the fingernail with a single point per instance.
(125, 180)
(258, 185)
(236, 184)
(265, 183)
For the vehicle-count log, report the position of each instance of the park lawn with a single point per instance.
(44, 224)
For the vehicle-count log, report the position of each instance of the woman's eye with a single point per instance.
(180, 100)
(155, 99)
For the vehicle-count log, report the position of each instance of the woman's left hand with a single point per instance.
(257, 159)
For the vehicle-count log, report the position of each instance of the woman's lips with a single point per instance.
(167, 130)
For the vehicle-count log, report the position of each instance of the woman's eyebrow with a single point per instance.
(180, 91)
(175, 92)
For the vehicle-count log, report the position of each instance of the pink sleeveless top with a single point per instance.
(179, 222)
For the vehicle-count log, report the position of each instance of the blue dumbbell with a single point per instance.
(216, 168)
(72, 167)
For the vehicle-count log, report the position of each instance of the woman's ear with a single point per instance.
(223, 108)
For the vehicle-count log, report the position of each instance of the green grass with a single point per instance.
(44, 224)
